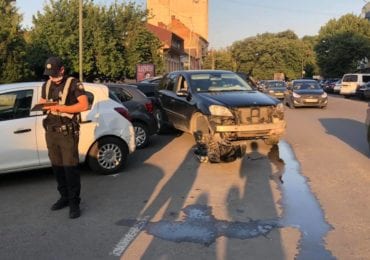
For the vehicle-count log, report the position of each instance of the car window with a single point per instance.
(14, 105)
(168, 82)
(206, 82)
(122, 94)
(365, 78)
(182, 85)
(350, 78)
(113, 96)
(90, 98)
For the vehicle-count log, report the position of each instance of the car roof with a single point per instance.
(97, 87)
(304, 80)
(203, 71)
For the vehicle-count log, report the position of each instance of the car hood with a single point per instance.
(238, 98)
(309, 91)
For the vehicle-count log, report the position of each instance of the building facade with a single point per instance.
(172, 49)
(187, 19)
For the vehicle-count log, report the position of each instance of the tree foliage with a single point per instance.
(219, 60)
(115, 38)
(342, 44)
(12, 45)
(265, 54)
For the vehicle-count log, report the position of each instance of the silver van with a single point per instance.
(351, 82)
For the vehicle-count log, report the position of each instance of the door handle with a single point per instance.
(22, 131)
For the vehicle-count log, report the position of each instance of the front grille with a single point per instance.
(255, 115)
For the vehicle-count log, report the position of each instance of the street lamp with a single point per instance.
(80, 41)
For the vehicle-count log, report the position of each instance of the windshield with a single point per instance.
(217, 82)
(275, 84)
(306, 85)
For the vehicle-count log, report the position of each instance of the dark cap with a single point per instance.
(53, 66)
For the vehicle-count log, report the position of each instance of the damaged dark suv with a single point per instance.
(220, 109)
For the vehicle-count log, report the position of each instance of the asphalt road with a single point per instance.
(306, 198)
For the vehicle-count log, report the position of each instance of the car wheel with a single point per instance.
(159, 118)
(107, 155)
(141, 135)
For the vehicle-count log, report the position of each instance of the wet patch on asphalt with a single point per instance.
(200, 226)
(301, 209)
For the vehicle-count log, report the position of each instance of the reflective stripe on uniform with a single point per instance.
(64, 97)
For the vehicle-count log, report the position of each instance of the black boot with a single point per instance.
(74, 209)
(61, 203)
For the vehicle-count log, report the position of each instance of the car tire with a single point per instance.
(107, 155)
(159, 118)
(141, 135)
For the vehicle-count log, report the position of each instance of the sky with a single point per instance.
(233, 20)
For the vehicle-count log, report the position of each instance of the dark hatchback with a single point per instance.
(140, 108)
(305, 93)
(220, 109)
(275, 88)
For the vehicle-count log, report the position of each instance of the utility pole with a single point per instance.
(80, 41)
(213, 59)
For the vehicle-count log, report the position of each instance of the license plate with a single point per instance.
(311, 100)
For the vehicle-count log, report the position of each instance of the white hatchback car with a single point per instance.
(106, 136)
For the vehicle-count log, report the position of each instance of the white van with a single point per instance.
(351, 82)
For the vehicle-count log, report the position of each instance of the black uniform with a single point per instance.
(62, 135)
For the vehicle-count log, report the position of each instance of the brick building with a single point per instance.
(187, 19)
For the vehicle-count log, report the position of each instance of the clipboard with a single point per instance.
(40, 106)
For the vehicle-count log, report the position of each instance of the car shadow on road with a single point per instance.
(350, 131)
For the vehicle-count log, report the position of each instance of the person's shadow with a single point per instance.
(350, 131)
(255, 202)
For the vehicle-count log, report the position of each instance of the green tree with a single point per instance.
(265, 54)
(219, 60)
(342, 44)
(12, 45)
(111, 36)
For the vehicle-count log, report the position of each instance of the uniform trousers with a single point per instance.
(63, 154)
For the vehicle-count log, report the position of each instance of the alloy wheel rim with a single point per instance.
(109, 156)
(140, 136)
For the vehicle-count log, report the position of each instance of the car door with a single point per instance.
(183, 104)
(167, 94)
(18, 127)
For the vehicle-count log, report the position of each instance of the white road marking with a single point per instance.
(130, 236)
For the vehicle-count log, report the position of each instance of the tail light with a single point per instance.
(123, 112)
(149, 106)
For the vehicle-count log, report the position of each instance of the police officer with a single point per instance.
(62, 131)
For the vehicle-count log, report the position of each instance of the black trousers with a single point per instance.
(63, 154)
